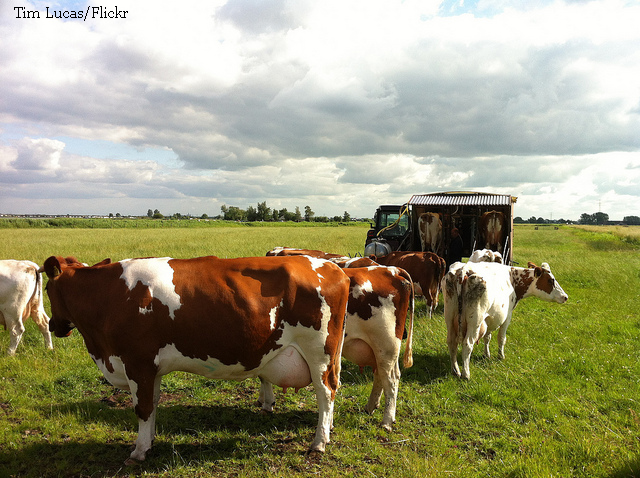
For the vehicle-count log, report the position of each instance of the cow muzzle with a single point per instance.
(60, 330)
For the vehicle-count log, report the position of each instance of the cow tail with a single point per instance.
(39, 287)
(461, 288)
(442, 270)
(36, 295)
(472, 290)
(407, 358)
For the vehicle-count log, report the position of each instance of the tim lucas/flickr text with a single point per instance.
(90, 12)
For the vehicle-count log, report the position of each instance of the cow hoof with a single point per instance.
(131, 462)
(370, 409)
(314, 454)
(387, 427)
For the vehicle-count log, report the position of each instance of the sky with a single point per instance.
(339, 105)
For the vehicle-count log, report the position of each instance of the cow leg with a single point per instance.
(325, 418)
(467, 348)
(16, 329)
(453, 354)
(145, 397)
(43, 324)
(452, 339)
(386, 378)
(325, 385)
(267, 399)
(487, 340)
(376, 392)
(502, 340)
(451, 319)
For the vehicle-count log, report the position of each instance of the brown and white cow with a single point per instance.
(492, 230)
(342, 261)
(425, 268)
(376, 315)
(280, 319)
(293, 251)
(430, 230)
(480, 297)
(485, 255)
(21, 298)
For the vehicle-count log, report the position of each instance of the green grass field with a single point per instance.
(563, 403)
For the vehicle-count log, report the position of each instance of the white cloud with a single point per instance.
(345, 105)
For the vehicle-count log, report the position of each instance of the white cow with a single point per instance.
(430, 229)
(486, 255)
(480, 297)
(21, 298)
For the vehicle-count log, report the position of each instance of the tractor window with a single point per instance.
(388, 218)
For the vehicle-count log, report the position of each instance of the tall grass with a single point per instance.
(564, 402)
(93, 245)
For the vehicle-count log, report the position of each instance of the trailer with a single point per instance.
(396, 227)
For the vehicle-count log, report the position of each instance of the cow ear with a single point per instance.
(538, 271)
(545, 267)
(531, 265)
(103, 262)
(52, 267)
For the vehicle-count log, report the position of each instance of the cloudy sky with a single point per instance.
(339, 105)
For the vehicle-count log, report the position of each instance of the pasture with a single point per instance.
(563, 403)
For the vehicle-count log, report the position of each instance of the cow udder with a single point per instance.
(287, 370)
(359, 352)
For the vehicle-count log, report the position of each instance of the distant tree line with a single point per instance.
(264, 213)
(259, 213)
(540, 220)
(595, 219)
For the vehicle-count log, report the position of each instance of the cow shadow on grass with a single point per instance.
(629, 470)
(426, 369)
(185, 434)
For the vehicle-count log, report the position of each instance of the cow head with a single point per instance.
(56, 269)
(546, 285)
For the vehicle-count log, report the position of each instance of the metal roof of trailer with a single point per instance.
(462, 199)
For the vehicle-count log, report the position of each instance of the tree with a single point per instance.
(157, 215)
(232, 213)
(631, 220)
(586, 218)
(346, 217)
(308, 214)
(598, 218)
(285, 215)
(297, 215)
(601, 218)
(252, 214)
(149, 213)
(263, 212)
